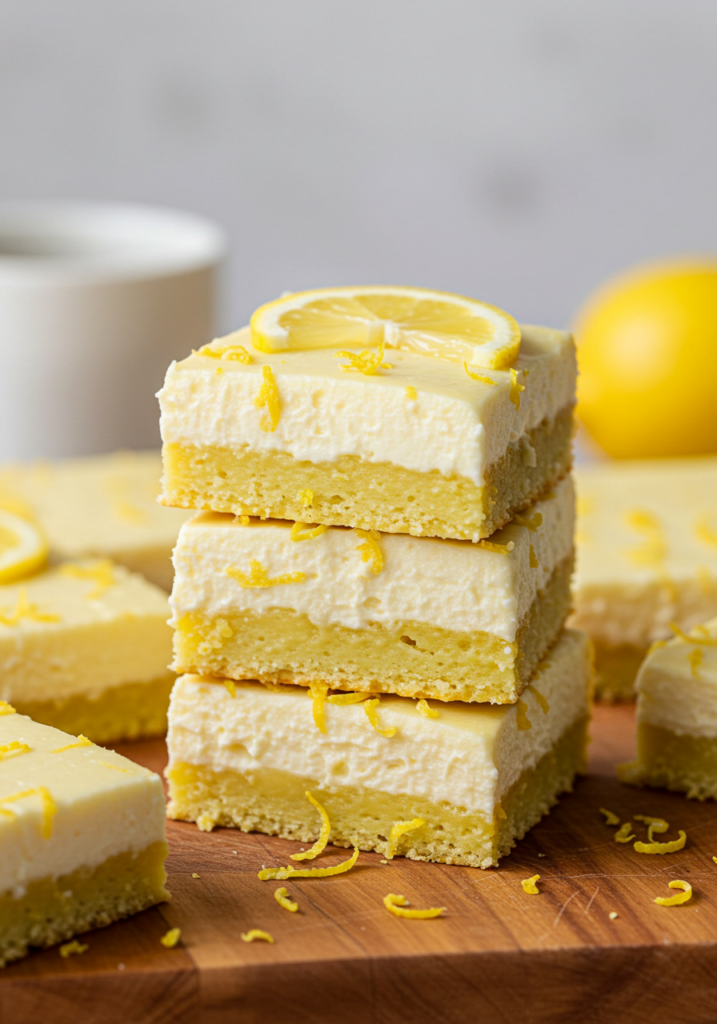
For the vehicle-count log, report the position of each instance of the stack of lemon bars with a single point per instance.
(370, 603)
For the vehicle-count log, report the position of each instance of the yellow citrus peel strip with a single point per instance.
(655, 847)
(81, 741)
(235, 353)
(370, 707)
(170, 939)
(521, 716)
(317, 692)
(10, 749)
(268, 396)
(306, 498)
(256, 934)
(288, 872)
(6, 709)
(477, 376)
(610, 818)
(680, 897)
(530, 524)
(73, 948)
(348, 698)
(515, 388)
(398, 829)
(369, 361)
(101, 574)
(708, 641)
(411, 393)
(396, 905)
(298, 534)
(323, 839)
(623, 833)
(259, 577)
(424, 708)
(488, 545)
(281, 896)
(231, 687)
(25, 609)
(530, 885)
(370, 551)
(49, 807)
(542, 701)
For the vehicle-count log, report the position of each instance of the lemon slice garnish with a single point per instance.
(23, 548)
(417, 319)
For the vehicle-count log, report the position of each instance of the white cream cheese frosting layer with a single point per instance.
(455, 424)
(453, 584)
(677, 689)
(104, 805)
(79, 629)
(468, 757)
(646, 548)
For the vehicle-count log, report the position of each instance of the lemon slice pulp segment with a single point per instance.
(417, 319)
(23, 548)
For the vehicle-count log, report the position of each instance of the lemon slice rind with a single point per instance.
(429, 322)
(23, 548)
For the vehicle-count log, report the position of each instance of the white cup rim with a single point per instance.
(47, 240)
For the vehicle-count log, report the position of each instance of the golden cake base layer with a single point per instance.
(666, 760)
(274, 802)
(53, 910)
(413, 659)
(120, 713)
(370, 495)
(616, 670)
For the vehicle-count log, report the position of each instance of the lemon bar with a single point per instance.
(677, 715)
(389, 613)
(646, 557)
(82, 835)
(418, 446)
(85, 646)
(102, 506)
(478, 776)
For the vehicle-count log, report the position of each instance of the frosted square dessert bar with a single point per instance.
(677, 715)
(478, 776)
(420, 617)
(102, 506)
(417, 446)
(646, 556)
(82, 835)
(85, 647)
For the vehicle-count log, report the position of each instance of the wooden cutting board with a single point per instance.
(498, 955)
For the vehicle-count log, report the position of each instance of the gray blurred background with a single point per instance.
(517, 151)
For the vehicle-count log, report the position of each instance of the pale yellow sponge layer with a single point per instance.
(274, 802)
(52, 910)
(352, 491)
(124, 712)
(412, 659)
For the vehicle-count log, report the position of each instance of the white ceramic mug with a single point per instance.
(95, 302)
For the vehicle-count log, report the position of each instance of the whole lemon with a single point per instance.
(647, 350)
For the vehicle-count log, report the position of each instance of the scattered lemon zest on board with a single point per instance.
(268, 396)
(317, 692)
(348, 698)
(477, 376)
(258, 576)
(411, 393)
(708, 641)
(324, 834)
(715, 859)
(296, 532)
(73, 948)
(16, 747)
(610, 818)
(530, 524)
(6, 709)
(489, 545)
(530, 885)
(612, 915)
(424, 708)
(371, 709)
(521, 716)
(695, 658)
(369, 361)
(680, 897)
(281, 896)
(49, 807)
(256, 934)
(623, 833)
(306, 498)
(396, 905)
(289, 872)
(658, 825)
(195, 875)
(370, 551)
(235, 353)
(231, 687)
(102, 574)
(171, 938)
(81, 741)
(398, 829)
(25, 609)
(515, 388)
(654, 847)
(542, 701)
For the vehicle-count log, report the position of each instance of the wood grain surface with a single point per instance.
(498, 955)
